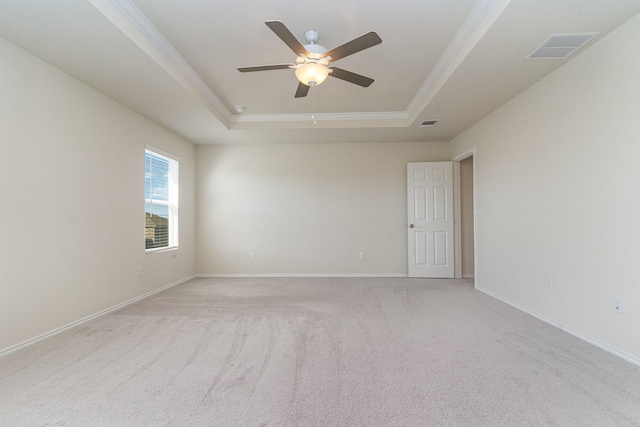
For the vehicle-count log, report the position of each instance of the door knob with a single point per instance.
(411, 225)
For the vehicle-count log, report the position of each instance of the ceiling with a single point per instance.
(176, 62)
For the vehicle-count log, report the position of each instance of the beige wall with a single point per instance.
(466, 216)
(305, 209)
(72, 185)
(557, 190)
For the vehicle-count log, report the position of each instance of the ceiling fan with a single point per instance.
(312, 64)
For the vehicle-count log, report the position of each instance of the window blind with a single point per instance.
(161, 199)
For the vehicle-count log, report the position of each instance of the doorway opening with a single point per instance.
(464, 171)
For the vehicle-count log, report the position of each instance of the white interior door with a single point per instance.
(430, 219)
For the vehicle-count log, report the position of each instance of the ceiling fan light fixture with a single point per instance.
(312, 73)
(312, 60)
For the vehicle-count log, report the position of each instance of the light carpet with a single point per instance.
(317, 352)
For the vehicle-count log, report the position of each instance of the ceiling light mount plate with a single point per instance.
(311, 36)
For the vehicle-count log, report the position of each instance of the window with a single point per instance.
(160, 199)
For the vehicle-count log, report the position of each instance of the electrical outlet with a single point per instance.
(139, 271)
(252, 255)
(617, 305)
(363, 255)
(549, 285)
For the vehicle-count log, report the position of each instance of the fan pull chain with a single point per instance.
(313, 105)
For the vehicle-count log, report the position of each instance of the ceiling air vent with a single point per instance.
(560, 46)
(428, 123)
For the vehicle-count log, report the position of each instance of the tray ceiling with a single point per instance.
(176, 62)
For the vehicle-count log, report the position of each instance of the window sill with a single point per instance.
(157, 250)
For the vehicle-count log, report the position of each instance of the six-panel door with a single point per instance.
(430, 219)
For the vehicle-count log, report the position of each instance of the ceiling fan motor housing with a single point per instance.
(315, 50)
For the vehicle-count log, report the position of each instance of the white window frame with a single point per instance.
(173, 193)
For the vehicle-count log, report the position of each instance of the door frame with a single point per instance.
(457, 226)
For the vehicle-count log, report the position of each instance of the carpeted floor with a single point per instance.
(317, 352)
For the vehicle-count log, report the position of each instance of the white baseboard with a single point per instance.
(267, 275)
(88, 318)
(584, 337)
(468, 276)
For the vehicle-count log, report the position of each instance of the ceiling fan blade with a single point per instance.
(265, 67)
(350, 77)
(285, 35)
(356, 45)
(302, 91)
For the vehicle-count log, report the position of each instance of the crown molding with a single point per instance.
(334, 120)
(136, 26)
(482, 17)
